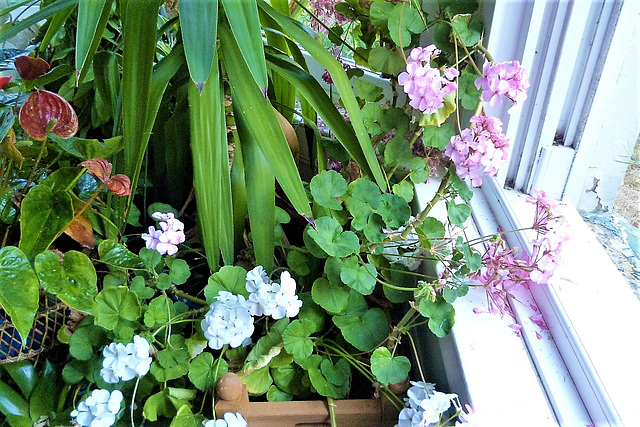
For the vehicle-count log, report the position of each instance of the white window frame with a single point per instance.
(589, 373)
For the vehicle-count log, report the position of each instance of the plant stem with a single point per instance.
(415, 353)
(188, 297)
(485, 52)
(425, 212)
(332, 411)
(35, 165)
(135, 390)
(401, 325)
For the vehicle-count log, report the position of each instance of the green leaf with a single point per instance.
(403, 22)
(114, 254)
(362, 198)
(341, 83)
(404, 189)
(74, 282)
(338, 374)
(395, 119)
(230, 278)
(460, 185)
(379, 13)
(6, 121)
(288, 378)
(267, 348)
(38, 16)
(258, 381)
(199, 27)
(139, 286)
(245, 26)
(212, 180)
(394, 210)
(373, 230)
(397, 152)
(167, 374)
(19, 289)
(11, 403)
(262, 123)
(92, 20)
(185, 418)
(159, 312)
(458, 213)
(320, 383)
(334, 298)
(389, 369)
(151, 258)
(311, 311)
(366, 332)
(468, 28)
(178, 271)
(45, 395)
(471, 257)
(139, 36)
(115, 305)
(332, 239)
(55, 23)
(23, 374)
(368, 91)
(419, 170)
(89, 148)
(164, 282)
(371, 115)
(442, 113)
(439, 137)
(274, 394)
(326, 187)
(385, 60)
(163, 404)
(298, 263)
(361, 278)
(162, 208)
(204, 371)
(441, 315)
(84, 339)
(432, 229)
(467, 90)
(44, 216)
(297, 339)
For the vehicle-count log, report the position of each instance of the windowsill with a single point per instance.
(535, 381)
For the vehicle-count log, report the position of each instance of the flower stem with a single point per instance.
(332, 411)
(188, 297)
(133, 398)
(485, 52)
(425, 212)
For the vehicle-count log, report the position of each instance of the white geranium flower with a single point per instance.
(269, 298)
(229, 420)
(99, 409)
(435, 405)
(123, 363)
(418, 392)
(228, 321)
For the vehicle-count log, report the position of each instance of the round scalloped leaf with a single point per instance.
(204, 371)
(332, 239)
(389, 369)
(441, 315)
(229, 278)
(359, 277)
(333, 297)
(297, 339)
(115, 305)
(326, 187)
(364, 333)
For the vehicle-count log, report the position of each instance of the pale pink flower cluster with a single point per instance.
(170, 235)
(426, 86)
(479, 150)
(502, 270)
(125, 362)
(325, 11)
(269, 298)
(503, 79)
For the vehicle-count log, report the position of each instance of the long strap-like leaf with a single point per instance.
(55, 23)
(262, 123)
(211, 168)
(261, 195)
(92, 20)
(43, 13)
(139, 51)
(199, 26)
(322, 104)
(340, 80)
(245, 26)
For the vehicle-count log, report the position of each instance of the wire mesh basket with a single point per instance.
(50, 317)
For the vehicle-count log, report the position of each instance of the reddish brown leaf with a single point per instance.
(100, 169)
(43, 106)
(4, 80)
(81, 231)
(31, 68)
(120, 185)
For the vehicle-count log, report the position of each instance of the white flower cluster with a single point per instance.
(270, 298)
(426, 407)
(230, 420)
(170, 235)
(125, 362)
(407, 252)
(228, 321)
(99, 409)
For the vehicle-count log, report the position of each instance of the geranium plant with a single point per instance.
(301, 289)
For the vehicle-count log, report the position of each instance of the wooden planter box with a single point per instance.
(308, 413)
